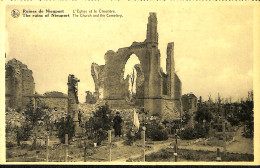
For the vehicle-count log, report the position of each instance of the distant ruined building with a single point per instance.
(189, 103)
(189, 106)
(20, 90)
(156, 92)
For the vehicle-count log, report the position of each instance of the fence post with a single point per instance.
(143, 151)
(109, 144)
(85, 150)
(224, 136)
(175, 148)
(18, 136)
(218, 155)
(66, 147)
(47, 148)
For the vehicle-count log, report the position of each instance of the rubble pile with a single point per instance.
(87, 111)
(13, 119)
(56, 115)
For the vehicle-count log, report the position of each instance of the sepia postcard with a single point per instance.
(129, 82)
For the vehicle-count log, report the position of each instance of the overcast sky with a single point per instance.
(213, 45)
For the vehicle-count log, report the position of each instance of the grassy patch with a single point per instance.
(192, 155)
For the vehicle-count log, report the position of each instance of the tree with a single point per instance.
(103, 118)
(186, 117)
(66, 126)
(246, 116)
(203, 113)
(102, 122)
(34, 114)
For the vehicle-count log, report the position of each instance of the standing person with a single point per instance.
(79, 117)
(117, 124)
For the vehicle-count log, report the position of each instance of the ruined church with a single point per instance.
(157, 92)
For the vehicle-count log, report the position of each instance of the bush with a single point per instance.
(159, 135)
(156, 132)
(186, 118)
(234, 121)
(203, 113)
(24, 132)
(194, 133)
(188, 133)
(200, 131)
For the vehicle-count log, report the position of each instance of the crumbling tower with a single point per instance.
(73, 101)
(154, 90)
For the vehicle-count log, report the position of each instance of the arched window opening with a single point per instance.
(131, 72)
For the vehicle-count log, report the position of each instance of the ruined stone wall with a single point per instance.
(119, 104)
(97, 72)
(91, 98)
(171, 109)
(9, 87)
(27, 83)
(177, 87)
(8, 81)
(19, 84)
(58, 103)
(139, 82)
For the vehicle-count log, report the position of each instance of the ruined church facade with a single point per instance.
(157, 92)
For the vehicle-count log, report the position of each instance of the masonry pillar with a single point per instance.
(153, 104)
(170, 68)
(73, 101)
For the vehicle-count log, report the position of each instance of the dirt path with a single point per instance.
(154, 148)
(241, 144)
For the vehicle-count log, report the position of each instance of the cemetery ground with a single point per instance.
(26, 134)
(239, 149)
